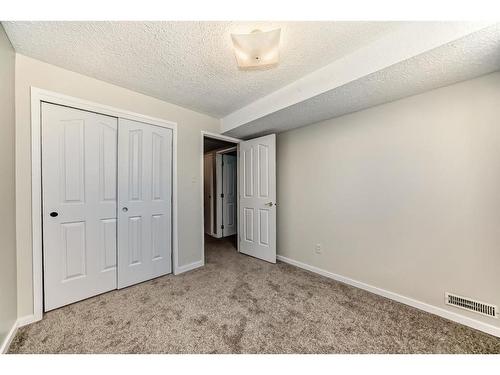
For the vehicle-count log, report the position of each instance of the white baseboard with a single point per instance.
(25, 320)
(20, 322)
(481, 326)
(189, 267)
(8, 339)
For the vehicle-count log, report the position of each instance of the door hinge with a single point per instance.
(222, 226)
(222, 195)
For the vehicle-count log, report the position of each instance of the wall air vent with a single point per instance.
(471, 305)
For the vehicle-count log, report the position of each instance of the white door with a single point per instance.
(257, 170)
(229, 195)
(144, 202)
(79, 204)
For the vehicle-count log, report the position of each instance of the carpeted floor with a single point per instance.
(238, 304)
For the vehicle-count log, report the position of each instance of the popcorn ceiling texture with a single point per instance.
(469, 57)
(239, 304)
(191, 64)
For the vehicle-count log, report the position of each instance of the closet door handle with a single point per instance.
(53, 214)
(124, 209)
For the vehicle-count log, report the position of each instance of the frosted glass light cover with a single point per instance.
(257, 49)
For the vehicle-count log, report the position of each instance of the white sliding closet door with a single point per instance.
(144, 202)
(79, 204)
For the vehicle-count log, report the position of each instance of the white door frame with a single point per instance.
(204, 134)
(41, 95)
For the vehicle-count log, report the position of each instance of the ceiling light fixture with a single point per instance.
(258, 49)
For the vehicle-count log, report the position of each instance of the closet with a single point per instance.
(106, 203)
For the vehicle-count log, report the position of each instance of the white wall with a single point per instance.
(404, 196)
(8, 293)
(30, 72)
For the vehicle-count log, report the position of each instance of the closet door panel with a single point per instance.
(79, 204)
(145, 202)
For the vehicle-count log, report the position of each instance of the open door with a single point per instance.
(257, 209)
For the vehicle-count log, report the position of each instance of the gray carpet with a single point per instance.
(238, 304)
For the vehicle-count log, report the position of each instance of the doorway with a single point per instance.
(220, 211)
(252, 212)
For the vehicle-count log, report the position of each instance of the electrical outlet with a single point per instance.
(318, 249)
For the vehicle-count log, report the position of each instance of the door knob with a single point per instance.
(53, 214)
(269, 204)
(124, 209)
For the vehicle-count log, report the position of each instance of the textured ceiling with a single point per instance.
(192, 63)
(465, 58)
(189, 63)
